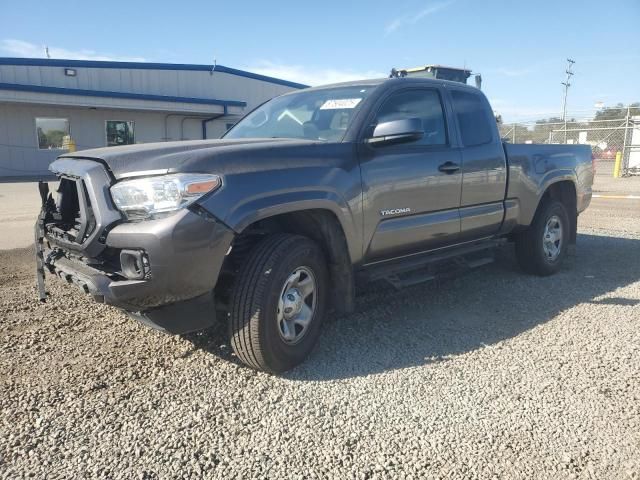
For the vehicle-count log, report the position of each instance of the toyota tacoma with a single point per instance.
(276, 224)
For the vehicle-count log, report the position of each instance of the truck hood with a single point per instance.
(202, 156)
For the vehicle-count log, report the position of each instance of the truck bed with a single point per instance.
(533, 167)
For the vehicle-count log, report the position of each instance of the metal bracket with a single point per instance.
(39, 238)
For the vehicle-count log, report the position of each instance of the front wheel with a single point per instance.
(278, 303)
(542, 247)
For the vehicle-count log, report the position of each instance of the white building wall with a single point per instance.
(178, 83)
(19, 153)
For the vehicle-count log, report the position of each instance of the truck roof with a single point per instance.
(380, 81)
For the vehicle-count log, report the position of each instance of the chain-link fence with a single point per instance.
(606, 137)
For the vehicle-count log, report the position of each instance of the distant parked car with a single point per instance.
(606, 154)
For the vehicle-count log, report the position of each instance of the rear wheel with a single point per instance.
(542, 247)
(278, 303)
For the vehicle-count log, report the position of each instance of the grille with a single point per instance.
(73, 219)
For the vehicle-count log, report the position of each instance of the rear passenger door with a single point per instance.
(411, 191)
(484, 169)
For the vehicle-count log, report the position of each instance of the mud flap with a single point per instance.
(39, 234)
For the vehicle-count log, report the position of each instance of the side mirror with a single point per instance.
(396, 131)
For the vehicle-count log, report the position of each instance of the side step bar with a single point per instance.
(421, 268)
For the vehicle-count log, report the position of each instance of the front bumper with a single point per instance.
(185, 253)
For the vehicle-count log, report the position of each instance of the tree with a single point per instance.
(617, 112)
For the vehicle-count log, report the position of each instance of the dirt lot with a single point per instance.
(492, 374)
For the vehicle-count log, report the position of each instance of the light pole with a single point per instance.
(566, 84)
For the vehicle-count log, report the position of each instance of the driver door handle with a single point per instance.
(449, 167)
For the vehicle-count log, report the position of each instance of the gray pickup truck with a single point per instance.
(313, 192)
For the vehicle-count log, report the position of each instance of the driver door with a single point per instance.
(411, 191)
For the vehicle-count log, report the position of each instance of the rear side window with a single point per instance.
(472, 117)
(422, 104)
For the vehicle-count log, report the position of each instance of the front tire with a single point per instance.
(278, 303)
(542, 247)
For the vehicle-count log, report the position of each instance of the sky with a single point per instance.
(520, 48)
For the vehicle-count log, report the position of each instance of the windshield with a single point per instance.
(314, 115)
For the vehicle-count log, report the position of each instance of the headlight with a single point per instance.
(154, 197)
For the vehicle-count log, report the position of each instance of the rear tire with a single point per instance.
(542, 247)
(278, 303)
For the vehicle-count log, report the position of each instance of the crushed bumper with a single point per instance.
(184, 254)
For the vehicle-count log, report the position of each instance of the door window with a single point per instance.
(473, 120)
(120, 133)
(417, 103)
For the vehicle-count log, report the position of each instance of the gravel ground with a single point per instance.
(491, 374)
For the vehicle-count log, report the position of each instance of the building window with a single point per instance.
(119, 133)
(51, 132)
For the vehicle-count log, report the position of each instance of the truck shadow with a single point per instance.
(436, 321)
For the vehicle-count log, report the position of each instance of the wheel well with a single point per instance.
(565, 192)
(320, 225)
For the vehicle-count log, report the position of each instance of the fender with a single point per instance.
(547, 180)
(269, 204)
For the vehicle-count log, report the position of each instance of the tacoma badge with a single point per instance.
(395, 211)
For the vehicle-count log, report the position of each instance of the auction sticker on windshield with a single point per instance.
(340, 103)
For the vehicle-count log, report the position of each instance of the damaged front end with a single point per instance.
(152, 269)
(75, 223)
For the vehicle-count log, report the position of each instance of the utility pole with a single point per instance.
(566, 84)
(46, 51)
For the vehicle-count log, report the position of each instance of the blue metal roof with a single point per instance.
(47, 62)
(107, 94)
